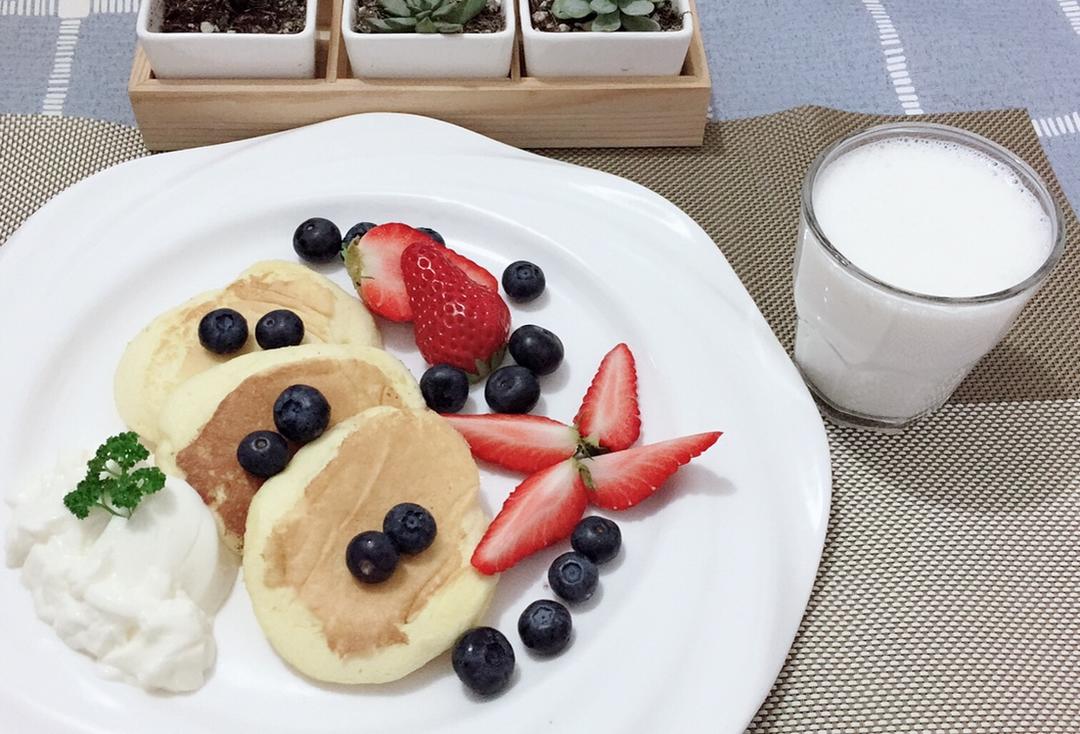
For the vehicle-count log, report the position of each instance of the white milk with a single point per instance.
(927, 216)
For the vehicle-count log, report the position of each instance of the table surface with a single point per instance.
(72, 57)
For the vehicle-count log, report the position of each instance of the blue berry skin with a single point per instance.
(573, 577)
(223, 331)
(545, 627)
(410, 527)
(597, 538)
(371, 557)
(301, 413)
(445, 388)
(523, 281)
(512, 389)
(432, 234)
(263, 453)
(317, 240)
(536, 349)
(484, 660)
(279, 328)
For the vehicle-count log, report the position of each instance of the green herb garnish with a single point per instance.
(112, 482)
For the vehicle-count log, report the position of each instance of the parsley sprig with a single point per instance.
(112, 482)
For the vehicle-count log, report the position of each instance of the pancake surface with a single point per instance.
(315, 614)
(206, 417)
(167, 352)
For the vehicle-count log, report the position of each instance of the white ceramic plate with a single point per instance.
(690, 626)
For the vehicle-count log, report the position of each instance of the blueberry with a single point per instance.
(357, 230)
(573, 577)
(536, 348)
(263, 453)
(280, 328)
(301, 413)
(223, 331)
(371, 557)
(410, 527)
(512, 389)
(445, 388)
(317, 240)
(597, 538)
(484, 660)
(432, 234)
(523, 281)
(545, 626)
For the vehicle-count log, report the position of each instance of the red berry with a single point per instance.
(523, 443)
(374, 264)
(542, 510)
(609, 416)
(622, 479)
(457, 321)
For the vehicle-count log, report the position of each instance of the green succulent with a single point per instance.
(426, 16)
(608, 15)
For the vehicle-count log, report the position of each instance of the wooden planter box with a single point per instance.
(520, 110)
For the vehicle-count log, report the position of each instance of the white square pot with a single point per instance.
(619, 53)
(226, 55)
(430, 55)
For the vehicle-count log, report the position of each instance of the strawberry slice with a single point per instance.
(477, 273)
(457, 321)
(523, 443)
(622, 479)
(542, 510)
(609, 416)
(374, 264)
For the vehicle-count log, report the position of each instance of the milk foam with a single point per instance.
(932, 217)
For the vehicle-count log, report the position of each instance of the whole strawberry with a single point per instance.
(457, 322)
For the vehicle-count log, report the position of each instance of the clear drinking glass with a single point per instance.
(879, 356)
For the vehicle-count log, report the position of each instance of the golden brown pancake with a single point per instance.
(206, 417)
(167, 352)
(316, 615)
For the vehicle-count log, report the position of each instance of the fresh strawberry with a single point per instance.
(523, 443)
(622, 479)
(374, 264)
(609, 416)
(542, 510)
(457, 322)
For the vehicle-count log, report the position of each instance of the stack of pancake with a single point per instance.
(383, 447)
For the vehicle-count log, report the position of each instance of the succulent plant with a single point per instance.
(425, 16)
(608, 15)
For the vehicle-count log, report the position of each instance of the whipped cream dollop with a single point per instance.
(137, 594)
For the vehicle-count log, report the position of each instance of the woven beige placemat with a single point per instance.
(948, 598)
(41, 156)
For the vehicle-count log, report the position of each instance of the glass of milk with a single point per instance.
(918, 246)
